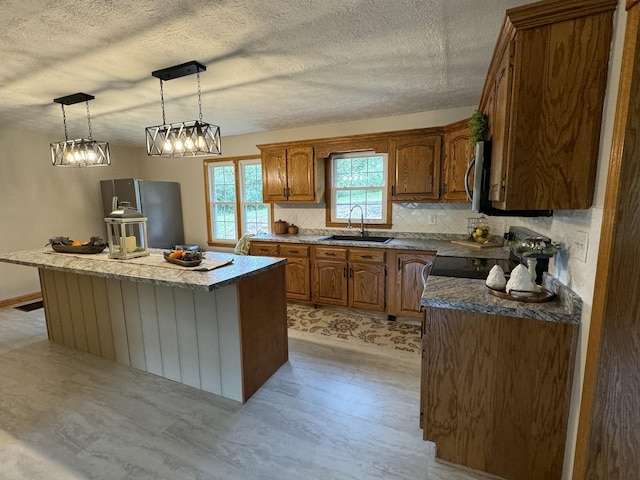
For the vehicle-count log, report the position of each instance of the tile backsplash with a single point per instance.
(407, 217)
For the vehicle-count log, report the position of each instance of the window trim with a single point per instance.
(213, 242)
(329, 222)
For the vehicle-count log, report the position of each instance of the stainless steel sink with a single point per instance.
(357, 238)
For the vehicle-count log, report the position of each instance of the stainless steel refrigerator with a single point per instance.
(160, 202)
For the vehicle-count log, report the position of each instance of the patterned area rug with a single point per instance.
(354, 327)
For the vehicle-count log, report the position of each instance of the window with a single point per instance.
(234, 204)
(359, 179)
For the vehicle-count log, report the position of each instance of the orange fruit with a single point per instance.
(176, 254)
(76, 243)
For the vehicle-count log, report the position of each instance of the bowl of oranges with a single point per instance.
(185, 258)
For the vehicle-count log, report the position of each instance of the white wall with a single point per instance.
(39, 201)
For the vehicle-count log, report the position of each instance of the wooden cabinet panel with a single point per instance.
(274, 175)
(298, 268)
(294, 250)
(406, 284)
(415, 167)
(367, 286)
(457, 155)
(332, 253)
(499, 122)
(544, 96)
(264, 249)
(496, 391)
(291, 174)
(298, 278)
(366, 255)
(300, 174)
(330, 285)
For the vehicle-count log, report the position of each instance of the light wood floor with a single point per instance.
(332, 412)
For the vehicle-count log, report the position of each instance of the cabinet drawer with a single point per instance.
(264, 249)
(366, 255)
(294, 250)
(331, 253)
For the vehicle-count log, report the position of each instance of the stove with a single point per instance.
(468, 267)
(473, 267)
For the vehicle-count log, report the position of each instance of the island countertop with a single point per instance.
(100, 265)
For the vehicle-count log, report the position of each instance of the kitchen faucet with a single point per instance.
(361, 219)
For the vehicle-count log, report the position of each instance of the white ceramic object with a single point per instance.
(496, 279)
(520, 280)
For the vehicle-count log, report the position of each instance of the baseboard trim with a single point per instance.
(23, 298)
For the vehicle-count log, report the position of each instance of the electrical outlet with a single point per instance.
(432, 219)
(580, 245)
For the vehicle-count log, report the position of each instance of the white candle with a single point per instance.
(130, 243)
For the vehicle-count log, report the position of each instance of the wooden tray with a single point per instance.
(78, 249)
(543, 295)
(184, 263)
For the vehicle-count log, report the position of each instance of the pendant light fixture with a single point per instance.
(185, 139)
(82, 152)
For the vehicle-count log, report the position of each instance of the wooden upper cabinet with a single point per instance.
(274, 175)
(414, 166)
(457, 155)
(544, 96)
(291, 174)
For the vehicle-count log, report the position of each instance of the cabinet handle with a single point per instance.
(350, 272)
(330, 254)
(344, 272)
(393, 190)
(293, 251)
(398, 264)
(284, 192)
(366, 256)
(444, 188)
(288, 192)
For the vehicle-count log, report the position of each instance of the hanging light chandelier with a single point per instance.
(185, 139)
(82, 152)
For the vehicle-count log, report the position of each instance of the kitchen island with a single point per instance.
(223, 331)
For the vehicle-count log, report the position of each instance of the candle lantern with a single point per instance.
(126, 233)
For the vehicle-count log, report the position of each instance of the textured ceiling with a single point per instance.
(271, 64)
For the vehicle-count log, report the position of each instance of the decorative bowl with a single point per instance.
(78, 249)
(197, 260)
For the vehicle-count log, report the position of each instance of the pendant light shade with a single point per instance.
(185, 139)
(81, 152)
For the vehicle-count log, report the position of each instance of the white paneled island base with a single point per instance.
(227, 338)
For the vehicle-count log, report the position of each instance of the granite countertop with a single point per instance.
(439, 243)
(100, 265)
(472, 295)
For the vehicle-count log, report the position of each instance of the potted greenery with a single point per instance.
(478, 127)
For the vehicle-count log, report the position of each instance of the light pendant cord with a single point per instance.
(199, 96)
(164, 121)
(89, 120)
(64, 121)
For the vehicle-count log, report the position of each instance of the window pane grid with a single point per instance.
(359, 179)
(236, 203)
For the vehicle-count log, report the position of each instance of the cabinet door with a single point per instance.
(408, 283)
(367, 286)
(499, 126)
(330, 282)
(274, 175)
(415, 168)
(297, 275)
(300, 174)
(457, 155)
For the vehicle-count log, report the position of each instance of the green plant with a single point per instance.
(478, 127)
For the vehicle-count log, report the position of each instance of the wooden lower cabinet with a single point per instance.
(496, 391)
(298, 269)
(406, 288)
(353, 277)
